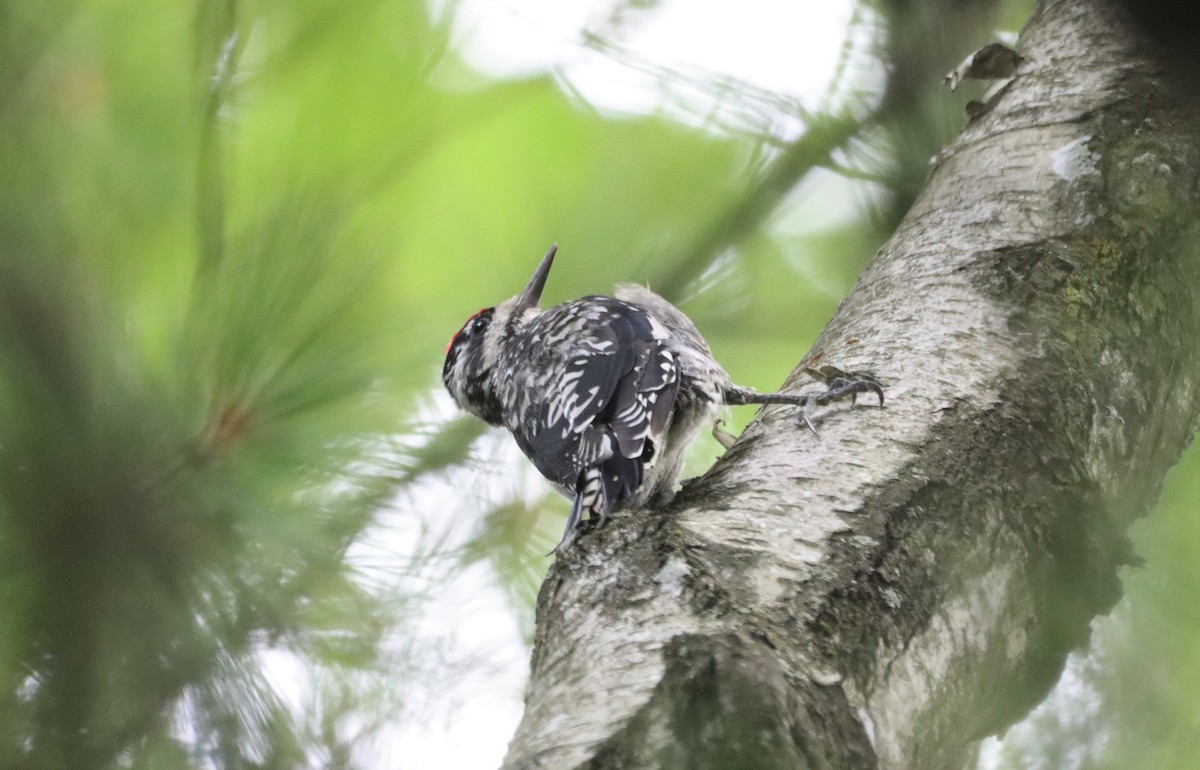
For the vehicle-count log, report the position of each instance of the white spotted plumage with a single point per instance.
(603, 394)
(600, 394)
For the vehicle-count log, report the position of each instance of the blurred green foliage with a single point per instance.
(234, 238)
(1132, 699)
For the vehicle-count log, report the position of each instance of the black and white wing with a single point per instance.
(606, 405)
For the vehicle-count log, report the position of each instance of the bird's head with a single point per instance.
(474, 352)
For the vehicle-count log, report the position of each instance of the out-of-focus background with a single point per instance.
(241, 525)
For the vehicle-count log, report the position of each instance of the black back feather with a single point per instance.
(610, 385)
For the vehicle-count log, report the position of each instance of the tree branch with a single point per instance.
(913, 579)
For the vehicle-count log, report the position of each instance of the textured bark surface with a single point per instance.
(912, 580)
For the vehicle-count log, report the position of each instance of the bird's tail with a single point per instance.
(591, 502)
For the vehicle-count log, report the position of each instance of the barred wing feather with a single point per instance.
(614, 390)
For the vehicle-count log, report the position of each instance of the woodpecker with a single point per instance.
(605, 394)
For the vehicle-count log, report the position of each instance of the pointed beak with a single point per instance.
(533, 290)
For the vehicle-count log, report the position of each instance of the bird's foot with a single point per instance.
(723, 437)
(839, 385)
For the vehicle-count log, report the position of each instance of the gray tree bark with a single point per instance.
(912, 580)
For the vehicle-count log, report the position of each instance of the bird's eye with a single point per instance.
(479, 322)
(475, 326)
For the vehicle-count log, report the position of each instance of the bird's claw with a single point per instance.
(838, 385)
(723, 437)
